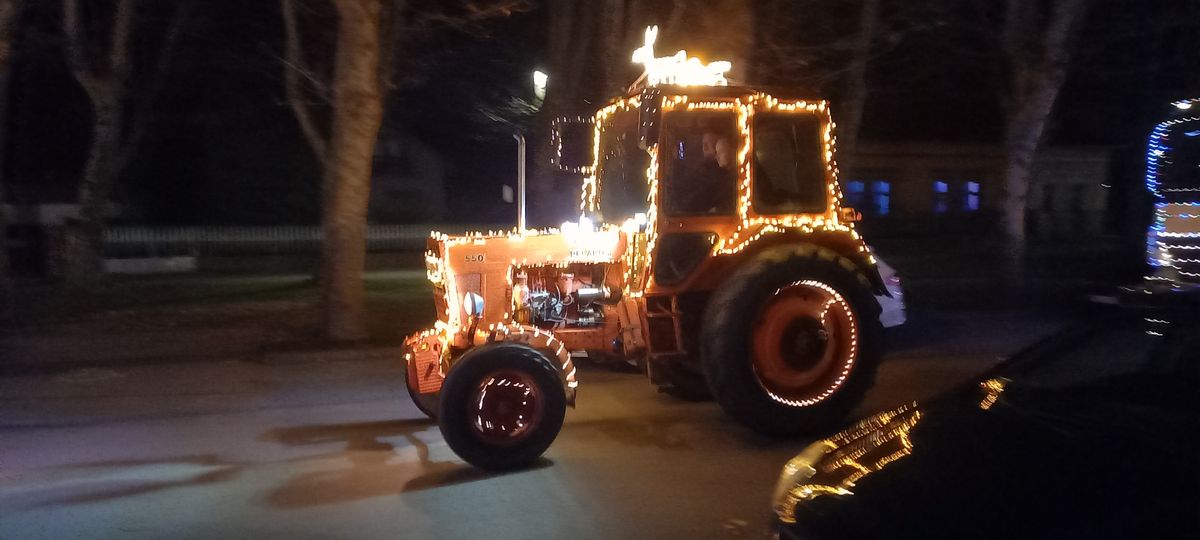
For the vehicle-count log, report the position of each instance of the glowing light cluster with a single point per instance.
(1164, 227)
(632, 266)
(834, 465)
(591, 188)
(1158, 148)
(678, 69)
(992, 388)
(556, 141)
(538, 339)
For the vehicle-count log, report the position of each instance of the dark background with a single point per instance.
(223, 147)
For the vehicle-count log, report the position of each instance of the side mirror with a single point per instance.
(849, 215)
(571, 138)
(649, 117)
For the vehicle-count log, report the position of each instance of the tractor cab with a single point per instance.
(708, 171)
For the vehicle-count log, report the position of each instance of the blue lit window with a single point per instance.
(855, 194)
(881, 193)
(941, 197)
(971, 199)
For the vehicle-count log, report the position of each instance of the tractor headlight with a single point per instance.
(473, 304)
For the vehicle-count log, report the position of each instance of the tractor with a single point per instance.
(712, 251)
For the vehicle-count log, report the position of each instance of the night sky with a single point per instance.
(224, 148)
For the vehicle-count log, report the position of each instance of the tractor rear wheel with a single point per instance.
(792, 340)
(502, 405)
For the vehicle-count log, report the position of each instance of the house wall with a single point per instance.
(408, 181)
(1068, 196)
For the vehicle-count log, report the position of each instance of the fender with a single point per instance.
(430, 354)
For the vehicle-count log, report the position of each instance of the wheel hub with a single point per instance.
(804, 343)
(507, 405)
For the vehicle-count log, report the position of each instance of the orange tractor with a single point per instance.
(712, 251)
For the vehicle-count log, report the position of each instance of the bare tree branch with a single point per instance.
(118, 59)
(502, 8)
(1037, 70)
(855, 96)
(141, 116)
(73, 34)
(293, 87)
(673, 20)
(9, 11)
(393, 32)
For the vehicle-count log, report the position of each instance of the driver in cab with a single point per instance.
(708, 185)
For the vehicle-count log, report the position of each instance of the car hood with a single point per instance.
(995, 460)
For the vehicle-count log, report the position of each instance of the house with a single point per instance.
(931, 188)
(408, 183)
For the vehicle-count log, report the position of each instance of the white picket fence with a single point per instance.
(174, 241)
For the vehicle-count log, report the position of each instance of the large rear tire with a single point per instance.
(502, 406)
(792, 340)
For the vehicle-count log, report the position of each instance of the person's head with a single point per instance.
(718, 147)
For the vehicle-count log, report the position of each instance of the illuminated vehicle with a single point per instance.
(712, 249)
(1173, 177)
(1091, 433)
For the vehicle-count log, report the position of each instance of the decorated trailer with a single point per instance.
(712, 251)
(1173, 178)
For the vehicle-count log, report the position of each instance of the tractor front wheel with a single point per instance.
(501, 406)
(792, 340)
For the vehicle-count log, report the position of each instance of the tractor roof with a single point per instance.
(733, 91)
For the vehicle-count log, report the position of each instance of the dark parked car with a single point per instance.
(1092, 433)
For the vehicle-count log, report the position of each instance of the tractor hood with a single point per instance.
(482, 262)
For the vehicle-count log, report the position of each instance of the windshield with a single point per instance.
(789, 171)
(699, 160)
(621, 169)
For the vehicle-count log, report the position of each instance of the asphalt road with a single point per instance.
(330, 447)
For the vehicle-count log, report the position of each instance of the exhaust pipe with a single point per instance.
(520, 180)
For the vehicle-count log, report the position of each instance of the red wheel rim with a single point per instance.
(804, 343)
(507, 406)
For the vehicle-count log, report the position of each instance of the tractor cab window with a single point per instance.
(699, 157)
(789, 170)
(621, 169)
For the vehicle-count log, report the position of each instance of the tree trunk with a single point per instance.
(6, 283)
(82, 260)
(9, 11)
(1038, 69)
(358, 114)
(850, 114)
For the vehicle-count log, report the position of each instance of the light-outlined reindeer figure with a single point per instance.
(678, 68)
